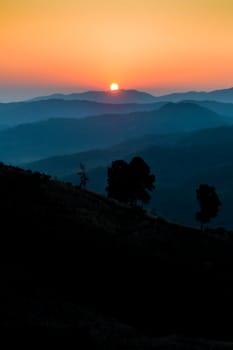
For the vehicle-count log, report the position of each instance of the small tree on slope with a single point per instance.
(83, 176)
(209, 204)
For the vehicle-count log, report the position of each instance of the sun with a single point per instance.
(114, 87)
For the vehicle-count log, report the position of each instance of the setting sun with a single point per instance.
(114, 87)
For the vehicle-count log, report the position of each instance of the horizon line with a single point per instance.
(152, 92)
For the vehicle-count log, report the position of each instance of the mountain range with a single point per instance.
(121, 96)
(28, 142)
(12, 114)
(192, 137)
(225, 95)
(134, 96)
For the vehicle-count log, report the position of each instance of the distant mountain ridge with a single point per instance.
(16, 113)
(53, 137)
(135, 96)
(225, 95)
(121, 96)
(221, 137)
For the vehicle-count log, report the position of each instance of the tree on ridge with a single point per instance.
(130, 182)
(83, 176)
(209, 204)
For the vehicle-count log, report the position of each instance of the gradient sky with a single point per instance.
(74, 45)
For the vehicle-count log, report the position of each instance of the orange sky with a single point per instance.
(158, 46)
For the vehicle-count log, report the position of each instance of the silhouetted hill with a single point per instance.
(218, 107)
(27, 112)
(121, 96)
(134, 96)
(12, 114)
(30, 142)
(62, 166)
(114, 274)
(225, 95)
(187, 116)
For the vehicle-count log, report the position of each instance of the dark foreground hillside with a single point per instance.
(114, 275)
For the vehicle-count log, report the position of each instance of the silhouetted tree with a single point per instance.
(118, 181)
(209, 204)
(83, 176)
(141, 181)
(130, 182)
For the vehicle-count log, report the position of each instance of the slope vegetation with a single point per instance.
(77, 259)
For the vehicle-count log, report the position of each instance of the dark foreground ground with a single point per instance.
(113, 276)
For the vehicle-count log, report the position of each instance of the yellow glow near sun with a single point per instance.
(114, 87)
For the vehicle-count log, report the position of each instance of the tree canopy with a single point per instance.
(209, 203)
(130, 182)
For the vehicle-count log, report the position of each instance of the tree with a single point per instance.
(82, 175)
(141, 181)
(130, 182)
(209, 204)
(118, 181)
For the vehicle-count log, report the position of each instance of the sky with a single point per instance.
(75, 45)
